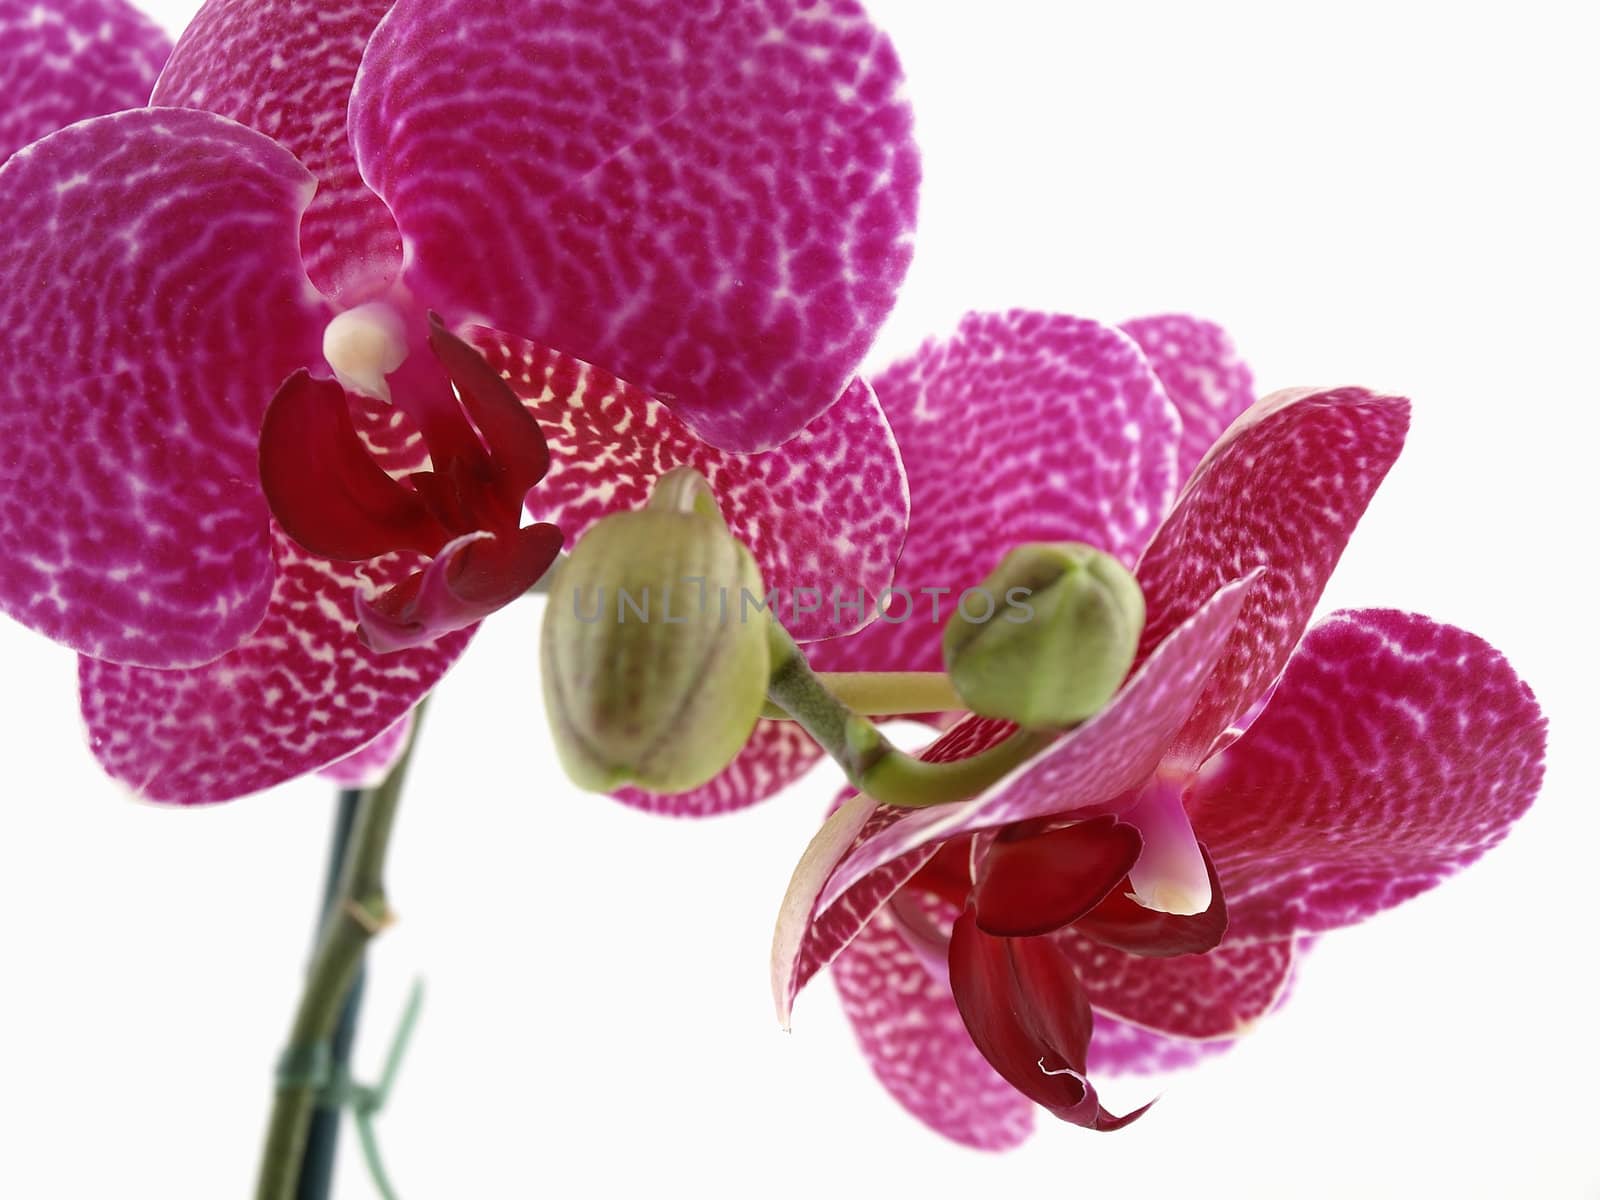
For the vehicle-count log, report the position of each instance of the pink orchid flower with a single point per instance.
(1138, 893)
(257, 472)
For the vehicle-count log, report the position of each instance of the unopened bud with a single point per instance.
(652, 675)
(1058, 634)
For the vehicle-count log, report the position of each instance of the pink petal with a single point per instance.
(1022, 427)
(808, 938)
(369, 766)
(285, 67)
(1394, 753)
(300, 693)
(70, 59)
(1282, 491)
(1202, 374)
(714, 204)
(777, 754)
(1089, 767)
(153, 302)
(912, 1035)
(1119, 1048)
(610, 441)
(793, 961)
(1219, 994)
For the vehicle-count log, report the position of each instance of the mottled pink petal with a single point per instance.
(1219, 994)
(777, 754)
(369, 766)
(285, 67)
(66, 60)
(826, 511)
(1394, 753)
(300, 693)
(793, 961)
(1118, 1048)
(907, 1024)
(1023, 427)
(808, 938)
(1283, 491)
(713, 203)
(821, 936)
(153, 302)
(1089, 767)
(1202, 374)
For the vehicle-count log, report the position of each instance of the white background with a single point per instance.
(1396, 194)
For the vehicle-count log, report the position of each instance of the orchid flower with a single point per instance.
(259, 472)
(1138, 892)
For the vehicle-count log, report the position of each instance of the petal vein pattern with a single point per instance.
(285, 68)
(154, 300)
(300, 693)
(777, 754)
(1282, 491)
(71, 59)
(911, 1032)
(1202, 374)
(610, 441)
(1395, 752)
(1023, 426)
(713, 202)
(1219, 994)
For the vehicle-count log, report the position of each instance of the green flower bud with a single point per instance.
(1048, 637)
(654, 673)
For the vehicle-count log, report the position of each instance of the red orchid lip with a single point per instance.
(1034, 883)
(329, 494)
(1029, 1016)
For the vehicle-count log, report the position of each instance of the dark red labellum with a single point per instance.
(1033, 883)
(1029, 1016)
(330, 495)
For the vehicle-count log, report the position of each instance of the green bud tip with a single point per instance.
(1051, 641)
(655, 668)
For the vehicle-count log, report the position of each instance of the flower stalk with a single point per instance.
(322, 1139)
(884, 693)
(870, 761)
(359, 911)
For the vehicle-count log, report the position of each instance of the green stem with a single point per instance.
(908, 782)
(885, 693)
(358, 913)
(870, 760)
(322, 1138)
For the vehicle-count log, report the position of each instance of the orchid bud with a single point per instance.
(655, 669)
(1048, 637)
